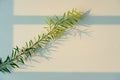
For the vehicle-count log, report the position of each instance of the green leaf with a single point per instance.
(0, 60)
(13, 54)
(22, 61)
(5, 69)
(7, 59)
(14, 64)
(26, 44)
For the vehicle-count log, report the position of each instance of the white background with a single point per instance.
(98, 52)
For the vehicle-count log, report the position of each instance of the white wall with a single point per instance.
(98, 52)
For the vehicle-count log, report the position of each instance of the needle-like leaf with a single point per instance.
(56, 28)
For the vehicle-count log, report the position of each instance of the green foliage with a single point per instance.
(56, 27)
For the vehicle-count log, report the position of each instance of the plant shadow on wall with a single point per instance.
(58, 29)
(52, 46)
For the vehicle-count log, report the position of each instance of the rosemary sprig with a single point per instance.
(56, 27)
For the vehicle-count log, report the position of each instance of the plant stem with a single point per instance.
(57, 26)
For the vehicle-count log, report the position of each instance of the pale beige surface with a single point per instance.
(96, 53)
(56, 7)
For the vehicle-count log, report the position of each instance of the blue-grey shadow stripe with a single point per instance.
(101, 20)
(88, 20)
(63, 76)
(29, 19)
(6, 27)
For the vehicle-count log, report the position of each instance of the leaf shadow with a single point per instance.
(53, 45)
